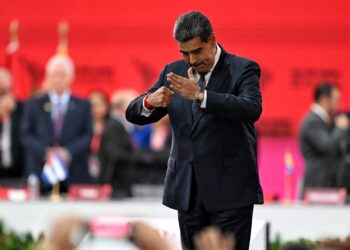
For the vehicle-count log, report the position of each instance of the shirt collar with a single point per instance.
(217, 57)
(321, 112)
(55, 98)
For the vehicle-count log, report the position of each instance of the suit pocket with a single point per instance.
(171, 163)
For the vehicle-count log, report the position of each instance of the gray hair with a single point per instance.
(65, 61)
(5, 75)
(192, 24)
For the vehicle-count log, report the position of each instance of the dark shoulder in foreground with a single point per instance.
(235, 60)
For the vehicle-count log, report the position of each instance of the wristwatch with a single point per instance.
(199, 95)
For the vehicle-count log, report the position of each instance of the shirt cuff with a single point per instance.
(204, 101)
(145, 111)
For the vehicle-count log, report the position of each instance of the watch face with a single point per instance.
(199, 96)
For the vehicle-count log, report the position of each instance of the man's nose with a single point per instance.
(193, 59)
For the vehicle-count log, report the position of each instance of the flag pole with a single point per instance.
(55, 192)
(288, 177)
(63, 29)
(13, 29)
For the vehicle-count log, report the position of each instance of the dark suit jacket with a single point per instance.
(219, 148)
(320, 145)
(116, 158)
(38, 134)
(17, 154)
(344, 172)
(152, 169)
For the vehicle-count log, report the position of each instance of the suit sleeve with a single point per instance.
(29, 140)
(82, 143)
(133, 112)
(323, 141)
(246, 105)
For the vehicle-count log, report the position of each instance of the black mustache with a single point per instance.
(196, 65)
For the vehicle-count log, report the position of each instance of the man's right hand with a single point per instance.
(342, 122)
(160, 98)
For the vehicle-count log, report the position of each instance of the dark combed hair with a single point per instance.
(191, 25)
(323, 89)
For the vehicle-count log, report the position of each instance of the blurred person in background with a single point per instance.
(152, 170)
(58, 123)
(100, 116)
(344, 172)
(320, 137)
(71, 232)
(11, 150)
(123, 162)
(140, 135)
(116, 151)
(118, 102)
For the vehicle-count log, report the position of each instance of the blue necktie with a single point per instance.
(196, 106)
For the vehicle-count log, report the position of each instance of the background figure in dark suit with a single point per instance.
(58, 122)
(213, 100)
(116, 151)
(344, 172)
(153, 170)
(320, 139)
(11, 150)
(100, 116)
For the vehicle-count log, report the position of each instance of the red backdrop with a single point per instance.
(126, 43)
(118, 44)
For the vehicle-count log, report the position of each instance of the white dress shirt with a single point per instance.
(319, 111)
(63, 100)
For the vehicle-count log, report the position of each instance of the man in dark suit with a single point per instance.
(344, 172)
(59, 123)
(213, 100)
(11, 151)
(320, 139)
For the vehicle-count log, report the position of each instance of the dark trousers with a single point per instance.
(237, 221)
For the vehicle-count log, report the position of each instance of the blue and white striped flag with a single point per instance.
(54, 170)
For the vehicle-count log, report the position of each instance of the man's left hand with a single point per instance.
(63, 154)
(186, 87)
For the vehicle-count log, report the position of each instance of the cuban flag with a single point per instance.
(54, 170)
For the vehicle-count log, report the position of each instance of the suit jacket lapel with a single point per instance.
(47, 109)
(219, 74)
(215, 82)
(69, 116)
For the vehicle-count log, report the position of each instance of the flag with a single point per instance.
(288, 176)
(289, 165)
(54, 170)
(22, 81)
